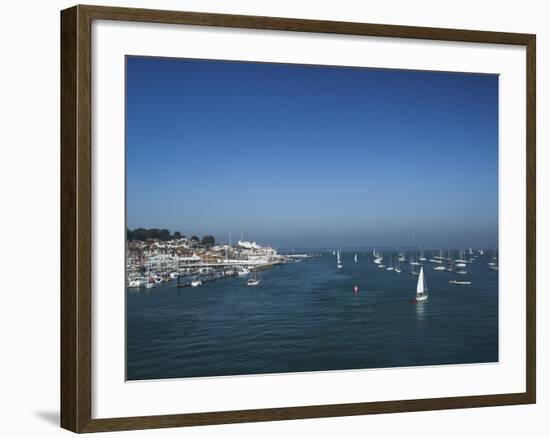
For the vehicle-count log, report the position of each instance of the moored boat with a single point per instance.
(254, 280)
(390, 267)
(137, 282)
(243, 271)
(460, 282)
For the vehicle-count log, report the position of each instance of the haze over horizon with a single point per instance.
(311, 156)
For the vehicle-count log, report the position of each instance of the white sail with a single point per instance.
(355, 258)
(390, 268)
(421, 290)
(420, 284)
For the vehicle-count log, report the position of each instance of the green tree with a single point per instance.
(140, 234)
(208, 240)
(153, 233)
(195, 239)
(147, 234)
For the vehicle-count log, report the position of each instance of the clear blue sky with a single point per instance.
(312, 156)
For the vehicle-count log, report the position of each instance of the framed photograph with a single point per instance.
(271, 218)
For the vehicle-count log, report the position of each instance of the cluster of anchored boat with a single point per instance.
(440, 263)
(241, 271)
(197, 276)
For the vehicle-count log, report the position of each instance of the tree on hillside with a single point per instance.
(141, 234)
(147, 234)
(208, 240)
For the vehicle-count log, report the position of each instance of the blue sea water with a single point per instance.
(305, 317)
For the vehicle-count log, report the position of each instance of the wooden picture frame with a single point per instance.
(76, 218)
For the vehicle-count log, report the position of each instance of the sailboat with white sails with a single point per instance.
(421, 289)
(422, 257)
(450, 263)
(397, 268)
(390, 267)
(338, 261)
(381, 264)
(253, 280)
(493, 265)
(413, 264)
